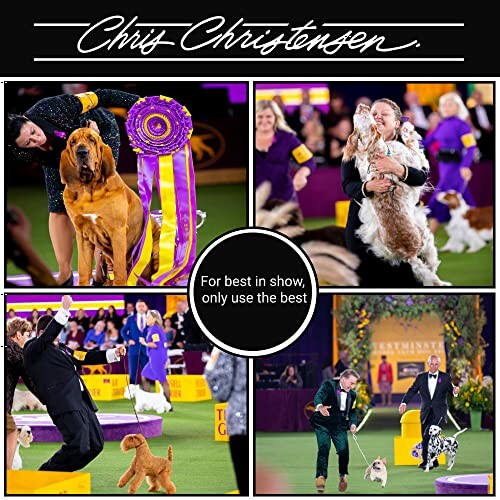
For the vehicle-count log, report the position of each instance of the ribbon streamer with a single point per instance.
(159, 129)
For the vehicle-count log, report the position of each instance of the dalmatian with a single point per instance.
(439, 444)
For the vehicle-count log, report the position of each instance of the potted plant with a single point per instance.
(474, 398)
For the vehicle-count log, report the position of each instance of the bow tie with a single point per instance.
(432, 376)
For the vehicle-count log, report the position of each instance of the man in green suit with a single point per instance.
(334, 416)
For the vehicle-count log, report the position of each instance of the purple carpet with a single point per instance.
(25, 280)
(466, 484)
(115, 426)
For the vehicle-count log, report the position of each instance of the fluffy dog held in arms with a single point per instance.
(393, 223)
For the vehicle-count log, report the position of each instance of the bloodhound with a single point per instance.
(106, 213)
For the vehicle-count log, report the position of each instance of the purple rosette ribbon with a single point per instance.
(159, 130)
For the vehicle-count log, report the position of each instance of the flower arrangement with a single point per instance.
(462, 316)
(475, 395)
(363, 399)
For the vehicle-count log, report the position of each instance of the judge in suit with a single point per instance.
(134, 328)
(334, 416)
(433, 387)
(53, 368)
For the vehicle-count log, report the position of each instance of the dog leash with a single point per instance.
(130, 394)
(360, 450)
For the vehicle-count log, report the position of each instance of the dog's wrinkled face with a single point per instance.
(363, 119)
(434, 430)
(85, 151)
(131, 441)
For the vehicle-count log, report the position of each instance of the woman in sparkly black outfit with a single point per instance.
(39, 135)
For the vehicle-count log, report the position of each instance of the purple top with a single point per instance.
(155, 369)
(275, 164)
(449, 134)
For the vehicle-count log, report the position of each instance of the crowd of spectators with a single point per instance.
(326, 133)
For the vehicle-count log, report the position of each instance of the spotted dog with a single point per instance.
(439, 444)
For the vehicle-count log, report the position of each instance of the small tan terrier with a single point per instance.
(156, 470)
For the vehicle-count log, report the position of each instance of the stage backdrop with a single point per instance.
(407, 345)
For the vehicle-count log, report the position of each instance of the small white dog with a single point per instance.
(377, 471)
(24, 439)
(145, 401)
(25, 400)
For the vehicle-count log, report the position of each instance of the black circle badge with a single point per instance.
(253, 292)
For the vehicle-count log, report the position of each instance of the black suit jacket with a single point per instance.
(329, 395)
(490, 113)
(54, 371)
(439, 403)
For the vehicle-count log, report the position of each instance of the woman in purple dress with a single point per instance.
(156, 344)
(275, 145)
(456, 152)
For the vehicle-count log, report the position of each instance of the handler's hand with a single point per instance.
(378, 185)
(121, 351)
(466, 173)
(92, 125)
(299, 181)
(354, 429)
(402, 408)
(131, 342)
(324, 410)
(142, 341)
(66, 302)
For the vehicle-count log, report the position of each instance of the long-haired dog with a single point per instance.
(377, 471)
(144, 401)
(333, 263)
(439, 444)
(156, 470)
(393, 224)
(25, 400)
(24, 439)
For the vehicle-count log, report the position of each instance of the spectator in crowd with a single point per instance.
(169, 331)
(112, 338)
(49, 311)
(342, 363)
(100, 315)
(226, 376)
(76, 335)
(113, 316)
(290, 378)
(338, 139)
(82, 319)
(33, 319)
(11, 314)
(302, 114)
(384, 381)
(434, 119)
(457, 146)
(313, 133)
(157, 352)
(18, 332)
(275, 144)
(327, 370)
(95, 337)
(129, 311)
(134, 328)
(178, 324)
(420, 114)
(483, 118)
(337, 110)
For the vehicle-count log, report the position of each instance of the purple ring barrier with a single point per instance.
(465, 484)
(114, 425)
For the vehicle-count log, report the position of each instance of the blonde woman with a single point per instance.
(275, 145)
(456, 152)
(156, 344)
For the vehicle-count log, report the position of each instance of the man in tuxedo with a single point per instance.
(53, 368)
(134, 328)
(334, 416)
(433, 387)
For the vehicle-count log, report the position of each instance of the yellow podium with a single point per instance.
(106, 387)
(220, 422)
(187, 388)
(405, 446)
(490, 484)
(30, 482)
(341, 212)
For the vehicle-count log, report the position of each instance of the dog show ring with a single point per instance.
(159, 130)
(114, 426)
(463, 484)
